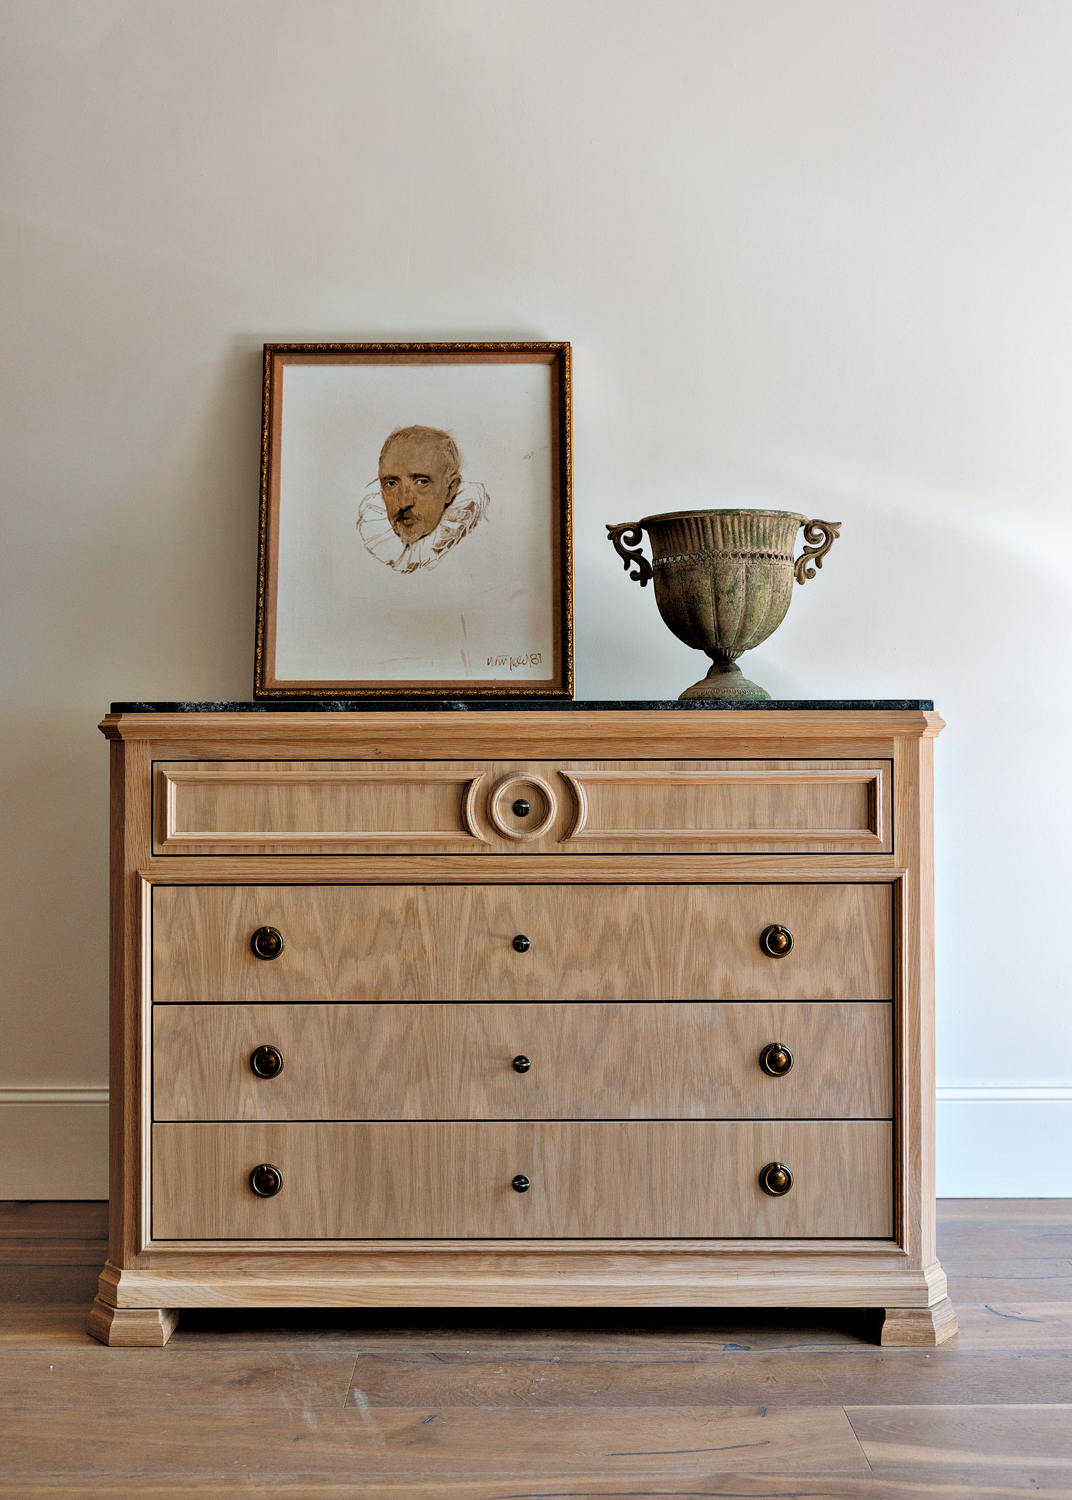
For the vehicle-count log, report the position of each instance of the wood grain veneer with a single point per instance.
(661, 1179)
(436, 943)
(394, 1062)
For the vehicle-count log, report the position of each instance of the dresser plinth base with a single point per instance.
(132, 1327)
(919, 1327)
(520, 1277)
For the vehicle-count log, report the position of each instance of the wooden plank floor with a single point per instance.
(545, 1405)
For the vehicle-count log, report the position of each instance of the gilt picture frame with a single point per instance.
(416, 521)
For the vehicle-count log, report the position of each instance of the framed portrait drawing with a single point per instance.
(416, 532)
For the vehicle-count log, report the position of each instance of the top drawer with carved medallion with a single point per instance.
(522, 807)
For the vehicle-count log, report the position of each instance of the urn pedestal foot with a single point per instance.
(920, 1327)
(724, 680)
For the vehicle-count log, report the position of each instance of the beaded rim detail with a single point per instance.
(724, 552)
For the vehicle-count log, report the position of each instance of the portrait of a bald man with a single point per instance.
(422, 506)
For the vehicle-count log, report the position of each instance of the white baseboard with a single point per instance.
(970, 1093)
(64, 1094)
(994, 1141)
(1006, 1140)
(54, 1143)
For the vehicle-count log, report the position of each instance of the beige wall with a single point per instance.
(813, 254)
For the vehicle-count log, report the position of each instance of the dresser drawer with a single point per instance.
(347, 943)
(632, 1179)
(584, 1061)
(573, 807)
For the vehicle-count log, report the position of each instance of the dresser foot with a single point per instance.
(919, 1326)
(132, 1327)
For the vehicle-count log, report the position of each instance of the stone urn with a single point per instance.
(723, 580)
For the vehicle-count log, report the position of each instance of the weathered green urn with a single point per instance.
(723, 580)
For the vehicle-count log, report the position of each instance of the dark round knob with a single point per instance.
(267, 942)
(776, 1179)
(776, 1059)
(521, 1184)
(267, 1062)
(521, 943)
(521, 1064)
(266, 1180)
(776, 941)
(521, 808)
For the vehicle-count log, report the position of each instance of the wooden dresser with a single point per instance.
(565, 1005)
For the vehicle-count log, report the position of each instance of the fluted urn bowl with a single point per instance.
(723, 580)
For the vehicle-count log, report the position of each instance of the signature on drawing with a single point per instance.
(533, 659)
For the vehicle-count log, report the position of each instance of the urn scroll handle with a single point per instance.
(823, 533)
(630, 532)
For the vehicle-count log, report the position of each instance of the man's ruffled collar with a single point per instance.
(466, 510)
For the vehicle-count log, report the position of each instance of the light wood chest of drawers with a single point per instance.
(564, 1006)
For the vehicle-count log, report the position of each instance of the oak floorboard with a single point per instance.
(138, 1380)
(893, 1483)
(1041, 1281)
(35, 1284)
(1015, 1325)
(990, 1436)
(253, 1402)
(410, 1375)
(980, 1243)
(370, 1443)
(987, 1238)
(52, 1252)
(52, 1326)
(1012, 1210)
(54, 1219)
(979, 1262)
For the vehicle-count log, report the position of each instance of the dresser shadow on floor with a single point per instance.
(732, 1329)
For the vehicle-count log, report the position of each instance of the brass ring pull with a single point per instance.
(776, 940)
(267, 942)
(266, 1062)
(776, 1059)
(266, 1180)
(776, 1179)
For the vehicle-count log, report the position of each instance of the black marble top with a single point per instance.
(516, 705)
